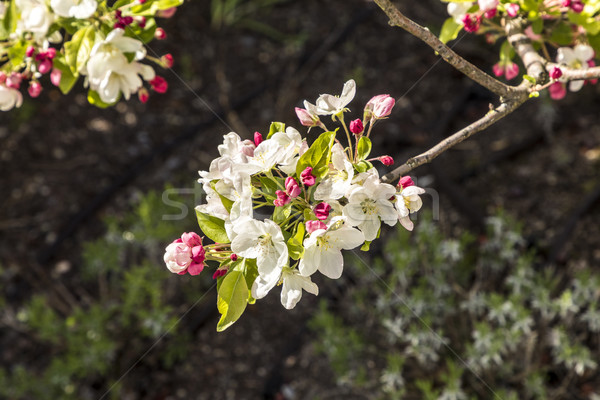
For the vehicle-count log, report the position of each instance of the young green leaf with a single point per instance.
(78, 49)
(94, 99)
(275, 127)
(317, 156)
(363, 148)
(294, 243)
(232, 299)
(450, 30)
(212, 227)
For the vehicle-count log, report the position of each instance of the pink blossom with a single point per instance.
(167, 60)
(557, 91)
(555, 73)
(45, 66)
(55, 76)
(322, 210)
(307, 177)
(312, 226)
(490, 13)
(168, 13)
(13, 81)
(143, 94)
(386, 160)
(498, 69)
(159, 84)
(357, 126)
(282, 198)
(257, 138)
(191, 239)
(34, 89)
(512, 9)
(471, 22)
(379, 106)
(307, 118)
(30, 51)
(511, 70)
(405, 182)
(160, 34)
(291, 187)
(248, 148)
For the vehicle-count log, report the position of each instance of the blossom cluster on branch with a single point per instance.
(68, 39)
(565, 32)
(279, 209)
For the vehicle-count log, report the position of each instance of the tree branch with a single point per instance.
(533, 62)
(470, 70)
(490, 118)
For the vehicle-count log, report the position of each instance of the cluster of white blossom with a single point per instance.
(67, 39)
(318, 199)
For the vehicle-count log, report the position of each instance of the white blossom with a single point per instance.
(328, 104)
(81, 9)
(322, 249)
(408, 202)
(458, 10)
(293, 283)
(576, 58)
(9, 98)
(110, 73)
(368, 205)
(35, 17)
(340, 177)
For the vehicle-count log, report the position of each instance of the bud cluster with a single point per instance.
(279, 210)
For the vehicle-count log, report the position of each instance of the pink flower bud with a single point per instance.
(386, 160)
(405, 182)
(471, 22)
(512, 71)
(248, 148)
(257, 138)
(159, 84)
(555, 73)
(233, 257)
(306, 118)
(577, 6)
(30, 51)
(45, 66)
(312, 226)
(34, 89)
(191, 239)
(195, 268)
(51, 53)
(2, 77)
(379, 106)
(487, 5)
(357, 127)
(168, 13)
(13, 81)
(282, 198)
(307, 177)
(55, 76)
(322, 210)
(160, 34)
(292, 188)
(557, 91)
(490, 13)
(220, 272)
(198, 254)
(498, 70)
(512, 9)
(167, 61)
(143, 95)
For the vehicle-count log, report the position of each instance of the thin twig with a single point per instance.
(490, 118)
(398, 19)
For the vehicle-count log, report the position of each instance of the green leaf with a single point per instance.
(363, 148)
(450, 30)
(317, 156)
(67, 79)
(212, 227)
(9, 22)
(588, 22)
(145, 34)
(269, 186)
(150, 8)
(537, 26)
(506, 52)
(295, 243)
(232, 299)
(94, 99)
(16, 52)
(529, 79)
(224, 200)
(363, 166)
(282, 213)
(562, 34)
(275, 127)
(250, 273)
(78, 49)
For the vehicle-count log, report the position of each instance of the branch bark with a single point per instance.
(490, 118)
(470, 70)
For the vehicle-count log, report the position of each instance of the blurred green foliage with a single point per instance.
(465, 318)
(124, 306)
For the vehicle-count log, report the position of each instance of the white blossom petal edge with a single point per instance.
(293, 283)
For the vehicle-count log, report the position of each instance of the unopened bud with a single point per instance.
(159, 84)
(555, 73)
(143, 95)
(30, 51)
(55, 76)
(167, 61)
(34, 89)
(386, 160)
(160, 34)
(357, 126)
(258, 138)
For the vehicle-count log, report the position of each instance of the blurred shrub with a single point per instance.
(122, 291)
(461, 318)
